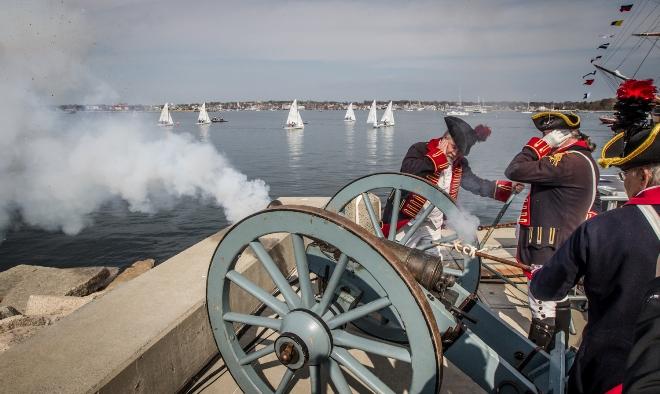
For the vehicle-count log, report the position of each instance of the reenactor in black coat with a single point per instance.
(442, 161)
(614, 253)
(563, 178)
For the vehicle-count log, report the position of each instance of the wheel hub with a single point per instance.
(305, 340)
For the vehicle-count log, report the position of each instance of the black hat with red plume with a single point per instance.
(464, 135)
(636, 142)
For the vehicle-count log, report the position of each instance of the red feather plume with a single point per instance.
(482, 132)
(634, 89)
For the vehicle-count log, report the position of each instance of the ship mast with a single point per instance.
(614, 73)
(649, 34)
(617, 73)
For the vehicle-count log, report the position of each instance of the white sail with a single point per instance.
(293, 114)
(388, 116)
(299, 120)
(350, 115)
(165, 117)
(203, 117)
(294, 120)
(373, 116)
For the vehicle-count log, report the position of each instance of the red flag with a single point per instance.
(625, 8)
(588, 81)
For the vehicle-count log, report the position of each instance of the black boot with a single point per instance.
(541, 330)
(562, 322)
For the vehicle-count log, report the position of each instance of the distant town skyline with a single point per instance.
(156, 51)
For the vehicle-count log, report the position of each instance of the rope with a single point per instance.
(466, 249)
(643, 60)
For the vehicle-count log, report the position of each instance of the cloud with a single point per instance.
(227, 50)
(55, 173)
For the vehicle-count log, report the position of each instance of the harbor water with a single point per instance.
(316, 161)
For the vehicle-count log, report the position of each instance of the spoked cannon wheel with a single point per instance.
(308, 337)
(397, 183)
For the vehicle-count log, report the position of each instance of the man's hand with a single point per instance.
(534, 270)
(518, 187)
(556, 137)
(448, 148)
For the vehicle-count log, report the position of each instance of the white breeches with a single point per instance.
(425, 234)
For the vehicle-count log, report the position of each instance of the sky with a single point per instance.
(177, 51)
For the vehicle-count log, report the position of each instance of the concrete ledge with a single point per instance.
(149, 335)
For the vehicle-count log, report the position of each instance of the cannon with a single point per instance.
(362, 307)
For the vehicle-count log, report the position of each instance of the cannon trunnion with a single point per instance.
(360, 311)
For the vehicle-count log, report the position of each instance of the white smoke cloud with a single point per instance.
(464, 223)
(54, 175)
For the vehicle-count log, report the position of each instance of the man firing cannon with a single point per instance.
(443, 162)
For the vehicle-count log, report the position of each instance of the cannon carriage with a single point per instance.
(360, 299)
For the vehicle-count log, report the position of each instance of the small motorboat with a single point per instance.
(607, 119)
(218, 120)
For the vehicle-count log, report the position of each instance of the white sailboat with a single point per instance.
(457, 112)
(294, 120)
(372, 118)
(388, 116)
(350, 115)
(527, 111)
(203, 117)
(165, 116)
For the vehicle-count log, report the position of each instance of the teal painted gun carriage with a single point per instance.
(355, 291)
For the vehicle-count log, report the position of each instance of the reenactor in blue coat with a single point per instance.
(563, 178)
(615, 254)
(643, 366)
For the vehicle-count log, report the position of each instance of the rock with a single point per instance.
(8, 311)
(13, 322)
(54, 305)
(10, 278)
(135, 270)
(23, 280)
(356, 211)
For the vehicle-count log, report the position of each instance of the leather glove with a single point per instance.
(518, 187)
(443, 145)
(556, 137)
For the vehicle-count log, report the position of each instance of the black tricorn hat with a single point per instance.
(552, 120)
(464, 135)
(627, 150)
(637, 142)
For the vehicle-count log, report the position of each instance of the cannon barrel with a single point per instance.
(425, 268)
